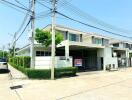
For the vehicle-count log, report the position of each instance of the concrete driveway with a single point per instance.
(115, 85)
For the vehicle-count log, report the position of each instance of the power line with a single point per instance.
(21, 4)
(45, 1)
(21, 26)
(43, 13)
(93, 26)
(23, 22)
(16, 5)
(89, 24)
(43, 5)
(23, 30)
(86, 16)
(62, 4)
(12, 7)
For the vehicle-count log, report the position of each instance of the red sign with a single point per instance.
(77, 62)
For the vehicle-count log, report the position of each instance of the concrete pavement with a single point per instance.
(115, 85)
(16, 74)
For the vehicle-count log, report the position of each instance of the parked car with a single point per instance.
(3, 64)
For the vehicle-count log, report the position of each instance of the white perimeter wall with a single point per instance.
(45, 62)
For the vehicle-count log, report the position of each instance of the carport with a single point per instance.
(84, 57)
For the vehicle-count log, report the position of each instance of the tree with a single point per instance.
(11, 51)
(3, 54)
(45, 37)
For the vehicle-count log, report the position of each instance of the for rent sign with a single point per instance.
(77, 62)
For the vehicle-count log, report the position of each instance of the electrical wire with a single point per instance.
(21, 4)
(78, 12)
(44, 15)
(16, 5)
(66, 5)
(93, 26)
(23, 22)
(12, 7)
(49, 2)
(21, 26)
(23, 30)
(43, 5)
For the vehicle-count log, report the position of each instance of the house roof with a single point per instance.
(113, 41)
(65, 28)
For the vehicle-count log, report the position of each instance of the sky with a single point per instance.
(115, 12)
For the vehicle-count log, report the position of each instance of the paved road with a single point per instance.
(88, 86)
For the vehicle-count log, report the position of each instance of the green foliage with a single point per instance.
(45, 37)
(11, 51)
(23, 64)
(58, 38)
(38, 73)
(20, 68)
(23, 61)
(5, 54)
(45, 73)
(130, 55)
(65, 71)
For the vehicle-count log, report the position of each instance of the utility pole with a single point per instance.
(3, 51)
(14, 45)
(53, 39)
(32, 64)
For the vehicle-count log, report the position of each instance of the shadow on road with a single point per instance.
(3, 71)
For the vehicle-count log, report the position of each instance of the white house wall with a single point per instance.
(108, 59)
(24, 53)
(106, 53)
(87, 39)
(45, 62)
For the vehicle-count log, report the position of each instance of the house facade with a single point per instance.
(122, 50)
(87, 51)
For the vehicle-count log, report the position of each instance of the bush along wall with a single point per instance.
(23, 61)
(23, 65)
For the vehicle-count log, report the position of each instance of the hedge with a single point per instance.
(41, 73)
(38, 73)
(46, 73)
(23, 61)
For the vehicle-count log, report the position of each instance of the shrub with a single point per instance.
(46, 73)
(17, 62)
(27, 61)
(39, 73)
(21, 61)
(65, 71)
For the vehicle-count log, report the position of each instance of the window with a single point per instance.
(43, 53)
(38, 53)
(98, 41)
(105, 42)
(72, 37)
(116, 45)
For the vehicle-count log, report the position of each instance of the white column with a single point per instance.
(127, 58)
(67, 49)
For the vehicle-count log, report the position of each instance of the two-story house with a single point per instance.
(122, 49)
(87, 51)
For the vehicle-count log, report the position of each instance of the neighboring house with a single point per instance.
(87, 51)
(122, 49)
